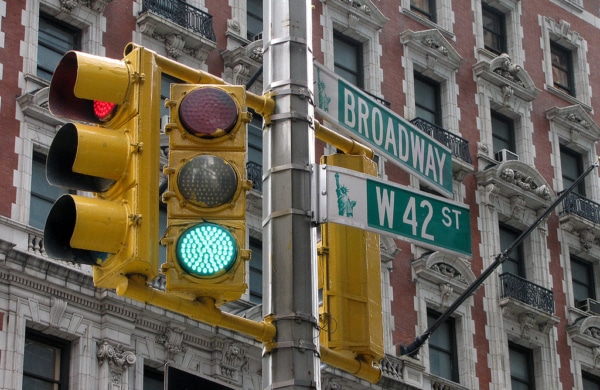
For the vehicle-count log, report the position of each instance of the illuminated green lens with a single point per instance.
(206, 250)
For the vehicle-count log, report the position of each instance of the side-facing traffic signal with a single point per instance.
(206, 199)
(350, 279)
(114, 155)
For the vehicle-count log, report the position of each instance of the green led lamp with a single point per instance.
(206, 250)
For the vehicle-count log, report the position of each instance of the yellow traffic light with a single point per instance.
(350, 279)
(206, 197)
(114, 155)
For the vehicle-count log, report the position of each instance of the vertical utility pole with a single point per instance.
(289, 250)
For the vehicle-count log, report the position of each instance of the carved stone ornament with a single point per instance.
(525, 182)
(172, 340)
(508, 70)
(115, 356)
(234, 360)
(449, 271)
(434, 44)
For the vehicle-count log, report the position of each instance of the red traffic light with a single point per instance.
(104, 110)
(208, 113)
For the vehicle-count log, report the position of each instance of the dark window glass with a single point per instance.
(443, 358)
(165, 91)
(347, 55)
(590, 382)
(572, 167)
(43, 194)
(515, 263)
(427, 100)
(255, 140)
(254, 19)
(153, 379)
(562, 68)
(425, 8)
(255, 288)
(494, 35)
(45, 363)
(503, 133)
(582, 276)
(54, 40)
(521, 368)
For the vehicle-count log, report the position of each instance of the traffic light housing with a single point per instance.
(206, 196)
(114, 154)
(350, 280)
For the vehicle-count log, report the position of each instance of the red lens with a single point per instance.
(104, 110)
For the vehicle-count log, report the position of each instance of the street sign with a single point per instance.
(354, 199)
(361, 117)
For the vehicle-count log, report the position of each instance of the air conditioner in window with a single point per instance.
(506, 155)
(589, 305)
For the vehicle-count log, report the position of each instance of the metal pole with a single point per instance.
(414, 347)
(289, 240)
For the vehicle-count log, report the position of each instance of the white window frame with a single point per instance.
(561, 33)
(514, 31)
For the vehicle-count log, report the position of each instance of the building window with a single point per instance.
(589, 381)
(425, 8)
(43, 194)
(443, 359)
(347, 55)
(582, 277)
(254, 19)
(255, 282)
(428, 100)
(153, 379)
(562, 69)
(494, 29)
(503, 133)
(572, 167)
(515, 263)
(45, 362)
(54, 40)
(521, 367)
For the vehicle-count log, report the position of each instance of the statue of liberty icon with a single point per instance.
(345, 205)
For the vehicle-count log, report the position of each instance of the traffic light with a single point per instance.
(350, 281)
(114, 155)
(206, 196)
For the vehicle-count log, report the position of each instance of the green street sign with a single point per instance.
(361, 117)
(354, 199)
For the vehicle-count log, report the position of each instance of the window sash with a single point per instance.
(425, 8)
(521, 367)
(562, 68)
(54, 40)
(515, 263)
(571, 164)
(254, 19)
(494, 30)
(582, 278)
(347, 54)
(443, 357)
(45, 362)
(428, 100)
(503, 133)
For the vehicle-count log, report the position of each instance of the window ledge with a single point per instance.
(567, 97)
(427, 22)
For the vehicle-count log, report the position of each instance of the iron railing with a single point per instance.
(185, 15)
(579, 205)
(457, 145)
(513, 286)
(254, 174)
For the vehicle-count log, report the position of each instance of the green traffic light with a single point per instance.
(206, 250)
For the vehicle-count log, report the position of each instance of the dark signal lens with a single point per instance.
(104, 110)
(207, 181)
(208, 112)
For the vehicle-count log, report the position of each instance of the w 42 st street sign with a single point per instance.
(361, 117)
(354, 199)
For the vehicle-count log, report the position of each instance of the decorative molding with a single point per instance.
(116, 356)
(172, 340)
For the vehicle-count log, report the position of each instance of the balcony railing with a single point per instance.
(254, 173)
(576, 204)
(457, 145)
(183, 14)
(513, 286)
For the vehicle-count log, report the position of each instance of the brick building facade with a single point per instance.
(509, 86)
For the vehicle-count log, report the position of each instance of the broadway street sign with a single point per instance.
(361, 117)
(354, 199)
